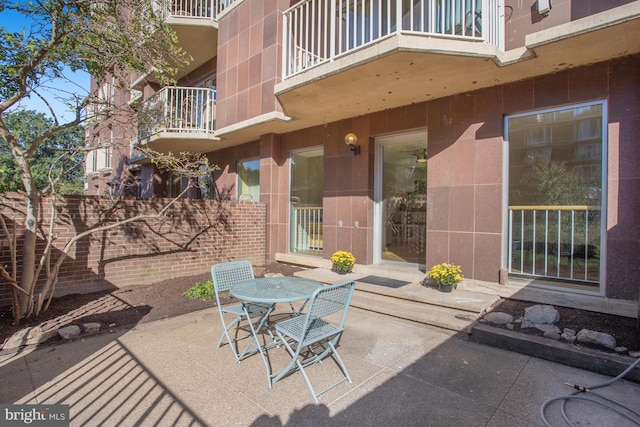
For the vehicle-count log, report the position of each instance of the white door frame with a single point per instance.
(380, 142)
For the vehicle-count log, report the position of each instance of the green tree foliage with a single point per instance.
(57, 157)
(549, 183)
(108, 39)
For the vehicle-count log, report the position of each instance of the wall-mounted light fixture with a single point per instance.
(351, 140)
(422, 156)
(544, 7)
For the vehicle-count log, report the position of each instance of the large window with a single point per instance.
(249, 180)
(557, 170)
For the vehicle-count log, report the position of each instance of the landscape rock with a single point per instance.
(568, 335)
(69, 332)
(499, 318)
(541, 317)
(635, 354)
(25, 336)
(92, 327)
(273, 275)
(621, 350)
(598, 338)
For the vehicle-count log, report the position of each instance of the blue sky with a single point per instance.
(78, 84)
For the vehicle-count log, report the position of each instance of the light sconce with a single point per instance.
(422, 156)
(544, 7)
(351, 140)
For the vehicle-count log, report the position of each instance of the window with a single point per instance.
(176, 185)
(95, 159)
(249, 180)
(557, 171)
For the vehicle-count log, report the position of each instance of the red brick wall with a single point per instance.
(195, 235)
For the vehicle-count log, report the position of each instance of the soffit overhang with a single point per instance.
(177, 142)
(407, 69)
(197, 37)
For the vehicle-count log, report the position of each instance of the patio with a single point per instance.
(169, 372)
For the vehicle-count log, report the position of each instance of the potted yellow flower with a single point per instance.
(446, 275)
(343, 261)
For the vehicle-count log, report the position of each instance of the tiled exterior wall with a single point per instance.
(200, 233)
(522, 17)
(465, 171)
(249, 61)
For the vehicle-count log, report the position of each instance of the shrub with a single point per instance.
(201, 291)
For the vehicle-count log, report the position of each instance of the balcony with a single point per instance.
(195, 23)
(135, 155)
(354, 57)
(323, 30)
(178, 119)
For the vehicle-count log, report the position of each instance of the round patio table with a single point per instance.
(272, 290)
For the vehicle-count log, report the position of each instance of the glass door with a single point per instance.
(307, 168)
(401, 198)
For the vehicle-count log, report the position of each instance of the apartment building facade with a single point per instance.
(501, 135)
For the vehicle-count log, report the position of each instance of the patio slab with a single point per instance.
(170, 372)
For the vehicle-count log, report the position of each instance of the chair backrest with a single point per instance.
(227, 274)
(329, 300)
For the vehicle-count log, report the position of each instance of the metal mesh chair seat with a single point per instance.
(317, 330)
(310, 338)
(225, 275)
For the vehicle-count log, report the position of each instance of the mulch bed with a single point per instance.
(125, 306)
(625, 330)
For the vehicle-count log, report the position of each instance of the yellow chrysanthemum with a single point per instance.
(446, 274)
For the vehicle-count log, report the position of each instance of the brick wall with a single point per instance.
(194, 235)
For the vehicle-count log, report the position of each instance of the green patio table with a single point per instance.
(272, 290)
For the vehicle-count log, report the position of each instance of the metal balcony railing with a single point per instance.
(307, 230)
(557, 242)
(179, 110)
(203, 9)
(316, 31)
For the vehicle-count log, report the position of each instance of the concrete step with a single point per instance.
(432, 315)
(401, 294)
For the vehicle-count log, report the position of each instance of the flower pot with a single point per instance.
(340, 271)
(445, 287)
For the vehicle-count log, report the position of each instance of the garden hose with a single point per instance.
(611, 405)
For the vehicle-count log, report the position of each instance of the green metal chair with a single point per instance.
(310, 337)
(224, 276)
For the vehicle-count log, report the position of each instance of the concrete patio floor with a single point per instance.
(169, 373)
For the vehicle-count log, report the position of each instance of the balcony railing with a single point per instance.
(557, 242)
(307, 230)
(205, 9)
(179, 110)
(316, 31)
